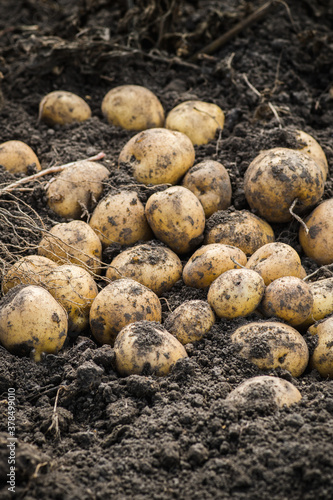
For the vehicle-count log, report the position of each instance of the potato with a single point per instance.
(190, 321)
(322, 292)
(30, 270)
(199, 120)
(32, 322)
(122, 302)
(271, 345)
(275, 260)
(177, 218)
(73, 242)
(318, 242)
(209, 261)
(156, 267)
(158, 156)
(146, 347)
(18, 157)
(322, 357)
(76, 190)
(288, 298)
(238, 228)
(120, 218)
(133, 107)
(61, 107)
(210, 182)
(279, 176)
(271, 389)
(235, 293)
(309, 146)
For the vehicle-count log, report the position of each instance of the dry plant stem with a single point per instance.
(272, 108)
(296, 216)
(328, 268)
(55, 417)
(237, 263)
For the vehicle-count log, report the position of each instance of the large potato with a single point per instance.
(279, 176)
(271, 345)
(158, 156)
(190, 321)
(30, 270)
(322, 357)
(309, 146)
(318, 242)
(177, 218)
(18, 157)
(322, 292)
(133, 107)
(61, 107)
(199, 120)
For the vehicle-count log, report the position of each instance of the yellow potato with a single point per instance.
(309, 146)
(322, 357)
(318, 242)
(190, 321)
(18, 157)
(133, 107)
(30, 270)
(322, 292)
(61, 107)
(199, 120)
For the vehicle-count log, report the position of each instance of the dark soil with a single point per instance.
(175, 437)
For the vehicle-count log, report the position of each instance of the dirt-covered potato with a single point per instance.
(271, 345)
(322, 292)
(275, 260)
(288, 298)
(61, 107)
(210, 182)
(76, 190)
(309, 146)
(120, 218)
(29, 270)
(158, 156)
(156, 267)
(177, 218)
(322, 356)
(199, 120)
(235, 293)
(73, 243)
(279, 176)
(120, 303)
(133, 107)
(18, 157)
(190, 321)
(145, 348)
(209, 261)
(318, 242)
(238, 228)
(32, 322)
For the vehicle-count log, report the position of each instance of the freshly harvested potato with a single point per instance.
(30, 270)
(322, 292)
(309, 146)
(236, 293)
(133, 107)
(61, 107)
(190, 321)
(18, 157)
(322, 357)
(158, 156)
(146, 347)
(318, 242)
(279, 176)
(73, 242)
(156, 267)
(275, 260)
(122, 302)
(32, 322)
(76, 190)
(210, 182)
(199, 120)
(238, 228)
(270, 345)
(288, 298)
(209, 261)
(120, 218)
(177, 218)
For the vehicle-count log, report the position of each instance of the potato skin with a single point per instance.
(61, 108)
(17, 156)
(29, 270)
(322, 292)
(190, 321)
(311, 147)
(322, 357)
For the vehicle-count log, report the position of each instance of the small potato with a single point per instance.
(18, 157)
(236, 293)
(318, 242)
(76, 190)
(32, 322)
(279, 176)
(238, 228)
(146, 347)
(177, 218)
(73, 242)
(322, 357)
(133, 107)
(271, 345)
(199, 120)
(190, 321)
(275, 260)
(122, 302)
(322, 292)
(309, 146)
(210, 182)
(120, 218)
(30, 270)
(61, 107)
(156, 267)
(209, 261)
(158, 156)
(289, 299)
